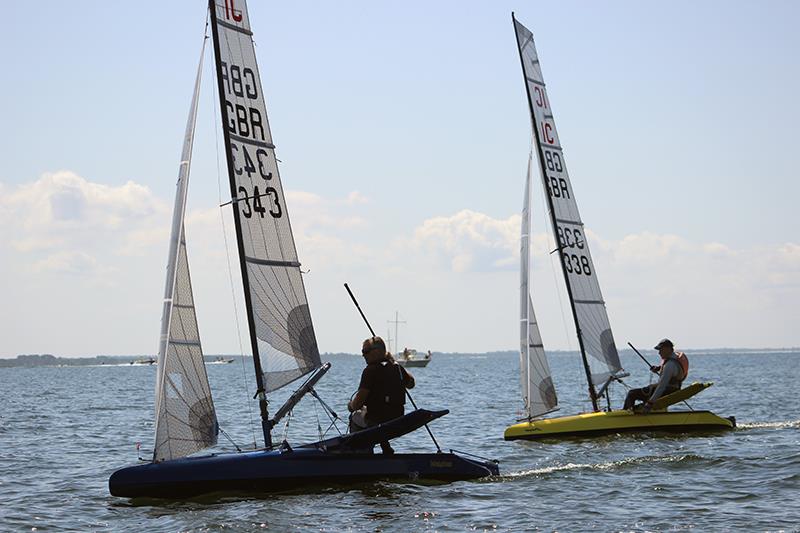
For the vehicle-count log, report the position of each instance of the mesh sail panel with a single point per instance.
(185, 421)
(538, 391)
(590, 309)
(285, 336)
(185, 418)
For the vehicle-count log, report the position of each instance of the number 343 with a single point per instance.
(275, 208)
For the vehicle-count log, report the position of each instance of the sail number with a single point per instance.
(571, 242)
(576, 264)
(257, 165)
(239, 81)
(245, 121)
(270, 192)
(557, 187)
(540, 97)
(249, 165)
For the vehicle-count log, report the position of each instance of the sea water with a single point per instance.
(64, 430)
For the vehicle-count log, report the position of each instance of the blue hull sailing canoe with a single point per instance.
(336, 461)
(282, 338)
(282, 470)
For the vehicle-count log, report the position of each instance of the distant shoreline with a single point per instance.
(49, 360)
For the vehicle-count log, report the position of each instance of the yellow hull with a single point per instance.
(605, 422)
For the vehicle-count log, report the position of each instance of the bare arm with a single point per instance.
(358, 400)
(408, 379)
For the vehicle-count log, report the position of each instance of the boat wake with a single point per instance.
(609, 466)
(770, 425)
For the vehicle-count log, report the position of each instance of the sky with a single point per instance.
(403, 134)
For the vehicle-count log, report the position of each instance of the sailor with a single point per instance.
(671, 373)
(381, 392)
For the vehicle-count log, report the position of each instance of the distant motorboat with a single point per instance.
(219, 361)
(144, 361)
(411, 358)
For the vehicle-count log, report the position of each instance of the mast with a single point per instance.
(553, 223)
(260, 392)
(396, 321)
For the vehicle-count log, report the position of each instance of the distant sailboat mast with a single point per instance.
(396, 321)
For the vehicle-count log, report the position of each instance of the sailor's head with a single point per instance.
(374, 350)
(664, 348)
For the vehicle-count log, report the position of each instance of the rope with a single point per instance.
(228, 262)
(225, 434)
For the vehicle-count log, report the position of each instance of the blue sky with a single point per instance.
(404, 133)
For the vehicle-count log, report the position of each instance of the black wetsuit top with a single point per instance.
(387, 394)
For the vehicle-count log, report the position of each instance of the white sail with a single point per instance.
(278, 310)
(185, 418)
(538, 391)
(591, 319)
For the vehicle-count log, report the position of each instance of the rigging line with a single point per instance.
(225, 433)
(214, 116)
(545, 212)
(319, 426)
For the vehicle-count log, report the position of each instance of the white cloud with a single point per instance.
(62, 233)
(63, 213)
(77, 263)
(470, 241)
(355, 198)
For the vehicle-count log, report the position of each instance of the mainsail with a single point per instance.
(538, 391)
(589, 310)
(282, 335)
(185, 418)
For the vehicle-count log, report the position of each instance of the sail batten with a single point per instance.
(591, 319)
(186, 421)
(282, 333)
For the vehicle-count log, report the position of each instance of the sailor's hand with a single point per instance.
(647, 407)
(654, 369)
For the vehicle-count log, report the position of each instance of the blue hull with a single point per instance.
(280, 470)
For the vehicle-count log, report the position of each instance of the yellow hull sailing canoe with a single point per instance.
(621, 420)
(618, 421)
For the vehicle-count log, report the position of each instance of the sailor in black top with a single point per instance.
(381, 392)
